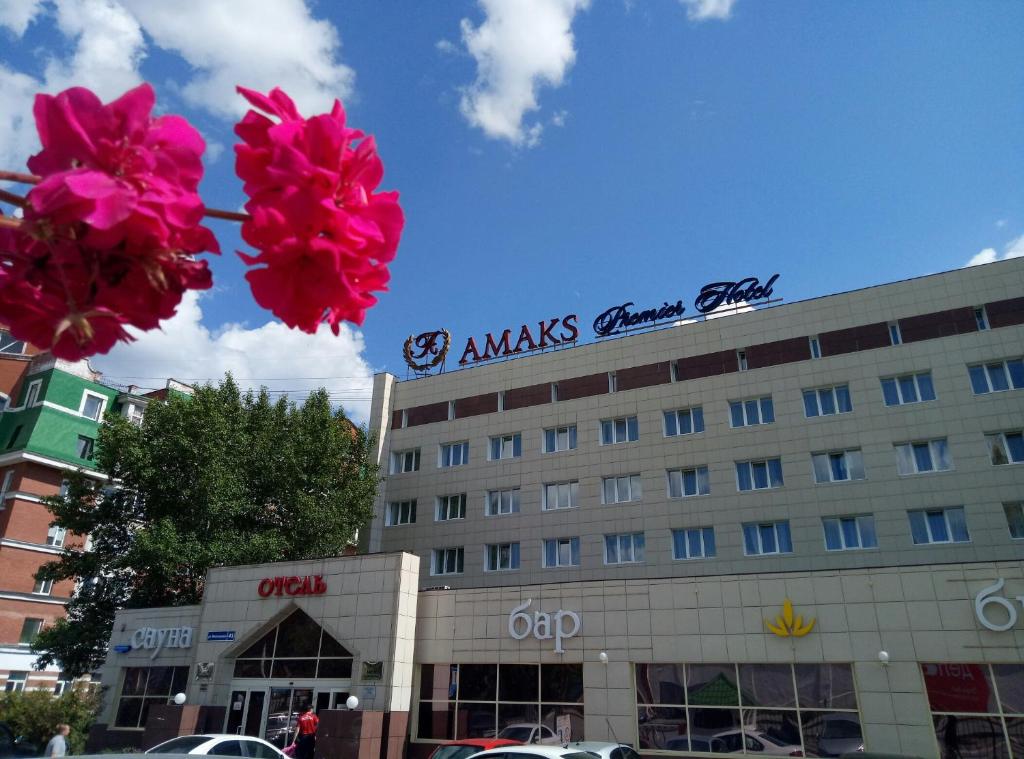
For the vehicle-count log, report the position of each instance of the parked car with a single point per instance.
(735, 741)
(226, 744)
(605, 750)
(841, 735)
(527, 732)
(466, 747)
(12, 745)
(532, 752)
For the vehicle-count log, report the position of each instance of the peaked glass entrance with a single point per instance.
(298, 647)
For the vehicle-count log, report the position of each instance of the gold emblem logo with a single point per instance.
(429, 351)
(787, 625)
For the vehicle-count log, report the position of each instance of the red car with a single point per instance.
(468, 746)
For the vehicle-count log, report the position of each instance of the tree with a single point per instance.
(34, 715)
(217, 478)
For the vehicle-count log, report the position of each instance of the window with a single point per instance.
(85, 448)
(981, 318)
(815, 346)
(33, 393)
(142, 688)
(554, 392)
(454, 454)
(741, 359)
(562, 552)
(894, 333)
(764, 538)
(64, 682)
(43, 587)
(29, 630)
(502, 502)
(500, 557)
(938, 526)
(560, 439)
(450, 507)
(1005, 448)
(506, 447)
(997, 376)
(621, 489)
(1015, 519)
(134, 413)
(758, 709)
(974, 707)
(909, 388)
(759, 475)
(923, 456)
(613, 382)
(451, 410)
(447, 561)
(622, 430)
(627, 548)
(9, 345)
(827, 401)
(501, 400)
(752, 411)
(686, 482)
(693, 543)
(5, 486)
(686, 421)
(401, 512)
(838, 466)
(560, 495)
(849, 533)
(55, 536)
(405, 461)
(92, 405)
(15, 682)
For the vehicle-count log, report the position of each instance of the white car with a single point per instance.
(530, 733)
(225, 744)
(735, 741)
(532, 752)
(605, 750)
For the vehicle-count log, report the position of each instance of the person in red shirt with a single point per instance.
(305, 733)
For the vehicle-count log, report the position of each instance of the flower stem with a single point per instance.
(14, 176)
(10, 197)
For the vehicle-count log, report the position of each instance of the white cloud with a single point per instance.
(272, 355)
(1012, 249)
(258, 45)
(703, 10)
(521, 46)
(16, 15)
(558, 118)
(447, 47)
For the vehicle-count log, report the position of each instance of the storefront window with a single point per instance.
(145, 686)
(767, 709)
(977, 709)
(297, 648)
(516, 701)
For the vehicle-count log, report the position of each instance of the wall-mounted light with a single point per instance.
(603, 657)
(351, 702)
(179, 698)
(883, 656)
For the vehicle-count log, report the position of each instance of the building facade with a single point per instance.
(791, 531)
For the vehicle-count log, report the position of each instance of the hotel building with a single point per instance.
(794, 530)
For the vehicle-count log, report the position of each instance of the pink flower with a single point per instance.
(323, 234)
(111, 231)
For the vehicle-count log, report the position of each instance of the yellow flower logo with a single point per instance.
(786, 625)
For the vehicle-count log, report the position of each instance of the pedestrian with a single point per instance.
(58, 745)
(305, 733)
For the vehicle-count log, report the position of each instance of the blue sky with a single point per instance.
(672, 143)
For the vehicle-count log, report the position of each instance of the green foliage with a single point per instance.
(219, 478)
(34, 715)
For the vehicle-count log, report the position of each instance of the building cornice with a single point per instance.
(27, 546)
(13, 595)
(16, 457)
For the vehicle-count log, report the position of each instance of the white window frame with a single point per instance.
(399, 459)
(5, 401)
(443, 505)
(571, 487)
(916, 376)
(701, 533)
(15, 682)
(700, 477)
(857, 520)
(11, 341)
(493, 550)
(513, 502)
(90, 452)
(451, 411)
(55, 536)
(911, 456)
(42, 588)
(32, 394)
(928, 526)
(614, 427)
(986, 367)
(510, 439)
(853, 460)
(815, 346)
(981, 319)
(86, 395)
(1000, 437)
(833, 391)
(559, 542)
(741, 359)
(692, 412)
(632, 537)
(759, 404)
(760, 543)
(449, 449)
(633, 483)
(753, 486)
(439, 559)
(570, 433)
(400, 513)
(5, 486)
(895, 334)
(613, 382)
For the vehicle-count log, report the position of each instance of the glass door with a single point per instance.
(283, 710)
(245, 712)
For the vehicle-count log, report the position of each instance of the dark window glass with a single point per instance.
(722, 723)
(180, 680)
(294, 668)
(438, 681)
(660, 684)
(711, 685)
(662, 728)
(475, 720)
(777, 732)
(962, 736)
(767, 685)
(159, 681)
(1010, 682)
(825, 686)
(252, 668)
(517, 682)
(135, 681)
(128, 712)
(1015, 729)
(261, 649)
(146, 703)
(330, 647)
(517, 722)
(561, 683)
(549, 714)
(831, 733)
(437, 720)
(260, 750)
(478, 682)
(335, 668)
(227, 748)
(181, 745)
(298, 635)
